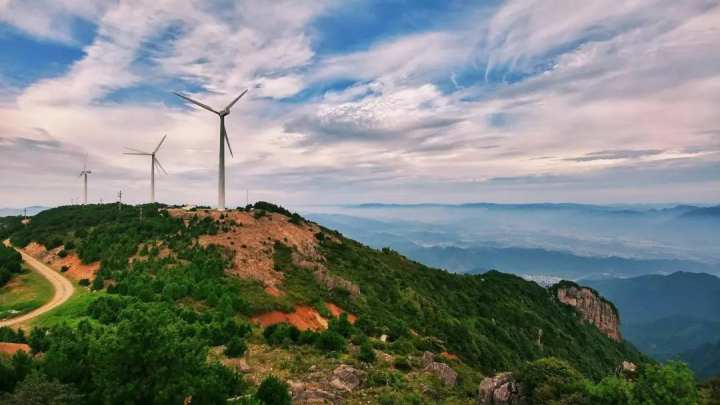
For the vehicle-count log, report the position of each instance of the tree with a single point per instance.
(36, 389)
(236, 347)
(273, 391)
(98, 283)
(366, 354)
(612, 390)
(551, 380)
(672, 383)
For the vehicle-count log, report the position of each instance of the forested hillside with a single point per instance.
(178, 308)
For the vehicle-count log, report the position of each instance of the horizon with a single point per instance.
(513, 102)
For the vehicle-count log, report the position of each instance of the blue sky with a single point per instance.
(356, 101)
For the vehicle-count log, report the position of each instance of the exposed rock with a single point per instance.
(441, 370)
(303, 393)
(592, 307)
(347, 378)
(332, 282)
(626, 369)
(501, 389)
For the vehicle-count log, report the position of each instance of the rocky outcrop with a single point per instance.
(347, 378)
(501, 389)
(592, 307)
(442, 371)
(331, 282)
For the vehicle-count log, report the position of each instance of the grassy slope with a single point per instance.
(72, 311)
(493, 321)
(24, 293)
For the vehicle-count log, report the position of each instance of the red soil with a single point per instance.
(336, 311)
(303, 317)
(77, 270)
(251, 241)
(10, 348)
(449, 356)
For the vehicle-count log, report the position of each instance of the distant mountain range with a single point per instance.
(673, 316)
(8, 212)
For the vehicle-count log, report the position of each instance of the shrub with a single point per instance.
(551, 380)
(402, 363)
(281, 333)
(63, 269)
(341, 325)
(331, 341)
(236, 347)
(62, 253)
(84, 282)
(273, 391)
(672, 383)
(381, 378)
(98, 283)
(366, 354)
(69, 245)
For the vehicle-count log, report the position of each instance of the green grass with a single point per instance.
(72, 311)
(24, 293)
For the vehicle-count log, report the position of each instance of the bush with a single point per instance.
(98, 283)
(84, 282)
(69, 245)
(62, 253)
(672, 383)
(273, 391)
(236, 347)
(551, 380)
(63, 269)
(366, 354)
(402, 363)
(331, 342)
(281, 333)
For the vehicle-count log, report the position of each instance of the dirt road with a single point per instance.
(63, 291)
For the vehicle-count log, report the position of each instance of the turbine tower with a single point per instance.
(153, 162)
(84, 173)
(223, 139)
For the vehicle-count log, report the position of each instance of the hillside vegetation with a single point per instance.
(177, 316)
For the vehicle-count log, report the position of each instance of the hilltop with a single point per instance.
(264, 291)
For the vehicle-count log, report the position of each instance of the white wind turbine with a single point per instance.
(84, 173)
(223, 139)
(153, 162)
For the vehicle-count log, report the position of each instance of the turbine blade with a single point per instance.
(227, 140)
(157, 162)
(236, 100)
(160, 144)
(138, 151)
(196, 103)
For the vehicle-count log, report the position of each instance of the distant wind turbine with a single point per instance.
(84, 173)
(223, 139)
(153, 162)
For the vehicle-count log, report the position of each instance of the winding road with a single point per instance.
(63, 290)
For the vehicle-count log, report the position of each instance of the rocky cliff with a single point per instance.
(591, 306)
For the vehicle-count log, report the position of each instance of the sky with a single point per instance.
(363, 101)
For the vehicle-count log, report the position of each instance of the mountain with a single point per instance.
(651, 297)
(6, 212)
(566, 240)
(704, 360)
(177, 287)
(676, 315)
(704, 213)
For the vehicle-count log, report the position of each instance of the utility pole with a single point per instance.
(140, 213)
(24, 212)
(119, 200)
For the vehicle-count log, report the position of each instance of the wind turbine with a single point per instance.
(223, 139)
(153, 162)
(84, 173)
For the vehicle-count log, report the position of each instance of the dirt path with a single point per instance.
(63, 290)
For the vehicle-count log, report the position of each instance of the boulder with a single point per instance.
(346, 378)
(441, 370)
(501, 389)
(303, 393)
